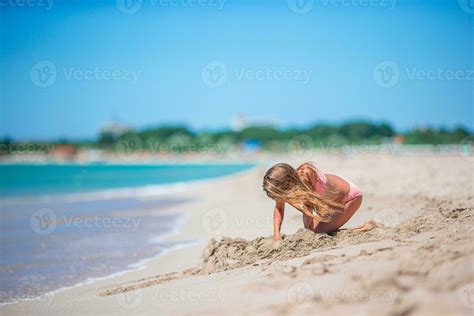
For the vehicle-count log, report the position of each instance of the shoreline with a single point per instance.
(135, 191)
(247, 215)
(133, 267)
(167, 189)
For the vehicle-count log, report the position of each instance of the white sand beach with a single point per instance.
(420, 263)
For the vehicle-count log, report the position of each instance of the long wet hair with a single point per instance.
(284, 183)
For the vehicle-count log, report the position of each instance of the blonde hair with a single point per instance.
(284, 183)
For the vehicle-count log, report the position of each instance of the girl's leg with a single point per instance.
(349, 209)
(309, 223)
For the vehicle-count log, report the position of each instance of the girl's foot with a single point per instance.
(367, 226)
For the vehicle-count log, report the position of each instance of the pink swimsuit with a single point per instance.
(354, 191)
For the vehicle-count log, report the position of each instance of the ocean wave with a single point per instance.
(145, 191)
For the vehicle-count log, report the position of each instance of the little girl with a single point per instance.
(327, 201)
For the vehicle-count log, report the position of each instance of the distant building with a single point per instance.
(64, 152)
(239, 122)
(114, 129)
(398, 139)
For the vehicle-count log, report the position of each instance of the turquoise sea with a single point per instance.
(65, 224)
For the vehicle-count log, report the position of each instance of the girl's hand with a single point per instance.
(276, 244)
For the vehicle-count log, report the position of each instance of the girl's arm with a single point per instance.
(278, 215)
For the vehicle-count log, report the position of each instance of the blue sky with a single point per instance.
(69, 68)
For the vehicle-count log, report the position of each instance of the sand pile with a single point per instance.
(451, 217)
(231, 253)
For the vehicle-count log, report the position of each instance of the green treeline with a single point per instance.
(264, 137)
(271, 138)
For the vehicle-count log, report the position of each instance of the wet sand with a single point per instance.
(421, 262)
